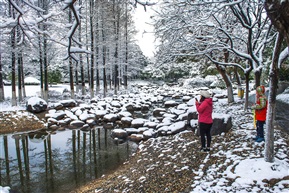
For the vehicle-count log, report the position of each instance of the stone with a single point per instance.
(119, 133)
(136, 137)
(68, 103)
(36, 105)
(77, 123)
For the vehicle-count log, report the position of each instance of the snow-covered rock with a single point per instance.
(136, 137)
(171, 103)
(139, 122)
(36, 105)
(110, 117)
(119, 133)
(77, 123)
(68, 103)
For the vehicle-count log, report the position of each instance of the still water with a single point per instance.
(58, 162)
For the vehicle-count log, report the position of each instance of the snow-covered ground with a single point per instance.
(31, 91)
(249, 172)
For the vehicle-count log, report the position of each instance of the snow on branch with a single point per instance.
(224, 63)
(144, 4)
(33, 6)
(75, 11)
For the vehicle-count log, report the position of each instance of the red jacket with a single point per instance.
(261, 113)
(205, 110)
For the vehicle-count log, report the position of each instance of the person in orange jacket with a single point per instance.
(205, 110)
(260, 112)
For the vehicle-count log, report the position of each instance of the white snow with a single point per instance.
(31, 80)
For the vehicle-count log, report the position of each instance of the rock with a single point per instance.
(77, 123)
(110, 117)
(54, 127)
(136, 137)
(192, 115)
(171, 103)
(108, 125)
(71, 115)
(150, 124)
(131, 130)
(58, 115)
(139, 122)
(222, 123)
(158, 112)
(36, 105)
(126, 121)
(186, 98)
(85, 127)
(56, 106)
(129, 107)
(91, 122)
(149, 134)
(115, 103)
(176, 127)
(282, 113)
(68, 103)
(124, 114)
(119, 133)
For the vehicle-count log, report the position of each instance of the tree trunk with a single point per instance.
(80, 56)
(45, 65)
(71, 78)
(237, 76)
(76, 77)
(258, 78)
(19, 55)
(269, 145)
(13, 63)
(19, 77)
(97, 39)
(91, 49)
(228, 83)
(22, 78)
(126, 47)
(116, 33)
(222, 71)
(87, 44)
(103, 56)
(278, 13)
(13, 60)
(41, 67)
(2, 94)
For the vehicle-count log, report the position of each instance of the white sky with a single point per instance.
(145, 40)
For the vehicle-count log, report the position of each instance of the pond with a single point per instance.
(58, 162)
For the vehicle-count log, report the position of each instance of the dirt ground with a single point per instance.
(19, 121)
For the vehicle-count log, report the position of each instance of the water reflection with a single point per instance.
(58, 162)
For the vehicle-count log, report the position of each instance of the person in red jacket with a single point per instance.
(260, 112)
(205, 110)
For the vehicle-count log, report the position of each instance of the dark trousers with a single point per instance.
(260, 128)
(205, 132)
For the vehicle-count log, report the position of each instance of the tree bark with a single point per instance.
(126, 47)
(278, 13)
(2, 94)
(269, 145)
(91, 49)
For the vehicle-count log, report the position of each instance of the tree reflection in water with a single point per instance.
(58, 162)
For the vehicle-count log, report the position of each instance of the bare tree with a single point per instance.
(200, 28)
